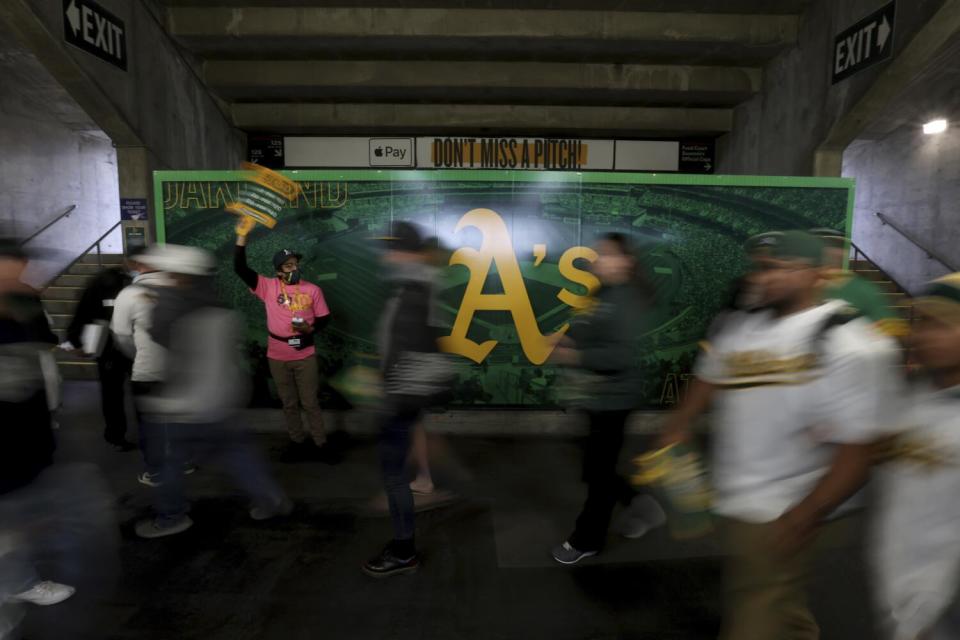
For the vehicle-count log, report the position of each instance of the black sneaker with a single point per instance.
(387, 564)
(122, 446)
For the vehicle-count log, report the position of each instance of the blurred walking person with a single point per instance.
(798, 388)
(113, 367)
(414, 373)
(917, 549)
(61, 509)
(295, 310)
(202, 389)
(600, 349)
(130, 327)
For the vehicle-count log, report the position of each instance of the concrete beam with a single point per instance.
(912, 60)
(360, 22)
(19, 17)
(293, 75)
(475, 118)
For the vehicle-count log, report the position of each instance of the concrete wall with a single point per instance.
(914, 180)
(777, 132)
(159, 98)
(52, 156)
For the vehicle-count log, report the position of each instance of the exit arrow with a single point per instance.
(73, 16)
(883, 33)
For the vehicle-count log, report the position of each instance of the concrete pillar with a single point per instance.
(135, 167)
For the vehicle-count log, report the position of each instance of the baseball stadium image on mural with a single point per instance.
(519, 257)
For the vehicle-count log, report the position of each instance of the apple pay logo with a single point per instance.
(391, 152)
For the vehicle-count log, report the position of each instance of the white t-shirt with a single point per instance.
(916, 553)
(132, 317)
(784, 401)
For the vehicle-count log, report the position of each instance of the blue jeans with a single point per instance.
(395, 440)
(221, 443)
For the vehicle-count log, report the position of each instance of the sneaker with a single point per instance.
(326, 454)
(154, 528)
(282, 508)
(422, 488)
(123, 446)
(567, 554)
(386, 564)
(149, 479)
(189, 469)
(642, 516)
(44, 594)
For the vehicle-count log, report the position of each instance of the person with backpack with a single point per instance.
(200, 393)
(798, 389)
(414, 374)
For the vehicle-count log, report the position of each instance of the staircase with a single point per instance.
(897, 298)
(60, 300)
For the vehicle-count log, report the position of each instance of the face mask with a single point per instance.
(291, 278)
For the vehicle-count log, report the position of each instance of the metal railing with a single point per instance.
(95, 245)
(65, 214)
(931, 255)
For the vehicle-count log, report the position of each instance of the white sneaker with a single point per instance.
(44, 594)
(642, 516)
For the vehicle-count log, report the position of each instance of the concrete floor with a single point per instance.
(487, 572)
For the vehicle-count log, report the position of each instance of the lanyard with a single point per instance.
(284, 299)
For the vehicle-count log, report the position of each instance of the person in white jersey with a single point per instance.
(796, 386)
(917, 548)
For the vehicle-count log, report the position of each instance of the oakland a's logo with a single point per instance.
(496, 249)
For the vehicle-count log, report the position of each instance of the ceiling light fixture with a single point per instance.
(935, 126)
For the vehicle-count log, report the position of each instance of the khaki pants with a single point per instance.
(765, 594)
(297, 385)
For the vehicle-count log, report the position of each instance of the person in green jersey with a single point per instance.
(858, 292)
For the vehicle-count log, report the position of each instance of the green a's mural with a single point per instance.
(520, 261)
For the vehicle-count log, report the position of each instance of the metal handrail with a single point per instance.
(50, 224)
(857, 251)
(95, 245)
(884, 220)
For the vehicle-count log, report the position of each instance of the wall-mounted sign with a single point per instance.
(90, 27)
(514, 153)
(265, 150)
(864, 44)
(392, 152)
(133, 208)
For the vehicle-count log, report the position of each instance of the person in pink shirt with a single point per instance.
(295, 310)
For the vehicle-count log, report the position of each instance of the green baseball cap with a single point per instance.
(787, 245)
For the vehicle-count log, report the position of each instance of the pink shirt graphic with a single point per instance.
(283, 303)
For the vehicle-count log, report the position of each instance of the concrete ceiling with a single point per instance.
(555, 67)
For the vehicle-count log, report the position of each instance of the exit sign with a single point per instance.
(88, 26)
(864, 44)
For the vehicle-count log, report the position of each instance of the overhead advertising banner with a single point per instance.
(530, 235)
(510, 153)
(543, 154)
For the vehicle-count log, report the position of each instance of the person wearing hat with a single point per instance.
(130, 332)
(858, 292)
(797, 389)
(916, 554)
(295, 309)
(413, 376)
(203, 388)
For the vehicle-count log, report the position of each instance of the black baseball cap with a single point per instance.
(404, 236)
(283, 255)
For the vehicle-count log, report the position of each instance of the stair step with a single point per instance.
(58, 307)
(78, 369)
(62, 293)
(72, 280)
(105, 259)
(80, 269)
(59, 320)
